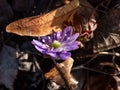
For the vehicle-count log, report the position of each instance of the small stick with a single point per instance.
(62, 75)
(109, 53)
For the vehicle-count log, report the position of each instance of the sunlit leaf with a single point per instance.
(43, 24)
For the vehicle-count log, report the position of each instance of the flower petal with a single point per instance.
(46, 40)
(67, 47)
(39, 44)
(52, 54)
(36, 42)
(71, 39)
(58, 36)
(64, 55)
(71, 46)
(40, 49)
(67, 32)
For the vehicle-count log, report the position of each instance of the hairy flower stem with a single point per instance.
(62, 75)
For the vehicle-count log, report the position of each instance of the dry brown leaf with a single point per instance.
(84, 20)
(45, 24)
(55, 76)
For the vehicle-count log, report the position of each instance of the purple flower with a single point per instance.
(58, 44)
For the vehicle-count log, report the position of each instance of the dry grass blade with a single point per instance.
(43, 24)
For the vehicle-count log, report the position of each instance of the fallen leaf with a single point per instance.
(43, 24)
(55, 76)
(84, 20)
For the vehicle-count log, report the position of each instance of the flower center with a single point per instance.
(56, 44)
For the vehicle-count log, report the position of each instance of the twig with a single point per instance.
(38, 71)
(100, 53)
(109, 53)
(95, 56)
(91, 69)
(36, 64)
(94, 8)
(114, 64)
(62, 75)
